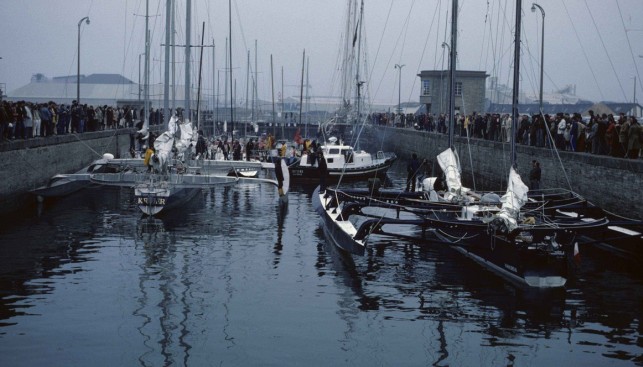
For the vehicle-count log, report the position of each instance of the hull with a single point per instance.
(309, 173)
(340, 231)
(62, 185)
(152, 200)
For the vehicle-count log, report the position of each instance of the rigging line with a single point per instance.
(426, 43)
(437, 34)
(484, 36)
(629, 45)
(379, 47)
(405, 31)
(571, 22)
(554, 150)
(606, 52)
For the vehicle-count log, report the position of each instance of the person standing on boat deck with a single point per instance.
(201, 146)
(534, 176)
(323, 170)
(412, 170)
(249, 149)
(148, 157)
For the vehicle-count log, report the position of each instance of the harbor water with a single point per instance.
(232, 279)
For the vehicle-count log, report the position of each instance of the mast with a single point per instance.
(452, 58)
(358, 84)
(146, 91)
(272, 85)
(283, 112)
(198, 93)
(516, 86)
(301, 89)
(188, 16)
(248, 83)
(230, 55)
(173, 59)
(166, 86)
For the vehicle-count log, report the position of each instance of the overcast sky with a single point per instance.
(595, 45)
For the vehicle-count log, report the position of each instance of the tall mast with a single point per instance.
(230, 55)
(248, 83)
(146, 91)
(453, 51)
(166, 81)
(198, 92)
(272, 85)
(301, 89)
(188, 16)
(516, 86)
(173, 58)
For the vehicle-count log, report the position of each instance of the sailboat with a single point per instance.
(530, 245)
(344, 161)
(173, 177)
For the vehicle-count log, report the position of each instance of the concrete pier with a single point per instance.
(28, 164)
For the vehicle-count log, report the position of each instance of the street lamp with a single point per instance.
(399, 92)
(86, 19)
(542, 51)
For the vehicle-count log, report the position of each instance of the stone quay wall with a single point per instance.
(612, 183)
(28, 164)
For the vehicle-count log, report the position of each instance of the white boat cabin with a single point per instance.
(339, 155)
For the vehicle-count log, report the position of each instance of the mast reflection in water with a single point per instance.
(233, 279)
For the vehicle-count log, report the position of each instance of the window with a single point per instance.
(426, 87)
(458, 88)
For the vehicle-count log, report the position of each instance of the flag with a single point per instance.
(576, 254)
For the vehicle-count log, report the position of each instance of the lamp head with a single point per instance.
(533, 8)
(87, 21)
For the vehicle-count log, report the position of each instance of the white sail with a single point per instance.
(513, 200)
(450, 164)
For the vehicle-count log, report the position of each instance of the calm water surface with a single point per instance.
(232, 280)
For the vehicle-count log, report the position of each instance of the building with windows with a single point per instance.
(469, 91)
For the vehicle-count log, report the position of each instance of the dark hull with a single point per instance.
(521, 263)
(307, 173)
(155, 203)
(339, 237)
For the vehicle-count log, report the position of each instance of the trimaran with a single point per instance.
(529, 240)
(174, 177)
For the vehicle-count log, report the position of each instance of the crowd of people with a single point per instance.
(601, 134)
(27, 120)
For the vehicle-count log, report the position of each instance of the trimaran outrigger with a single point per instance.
(527, 239)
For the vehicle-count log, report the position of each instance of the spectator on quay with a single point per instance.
(53, 113)
(4, 121)
(20, 120)
(75, 117)
(27, 121)
(35, 112)
(623, 136)
(635, 139)
(45, 117)
(560, 132)
(63, 120)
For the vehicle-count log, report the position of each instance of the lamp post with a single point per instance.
(86, 19)
(542, 51)
(399, 92)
